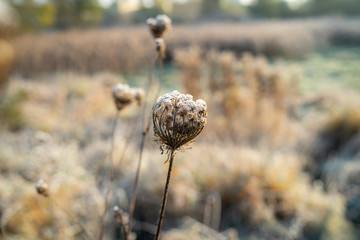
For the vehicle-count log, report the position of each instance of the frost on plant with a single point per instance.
(123, 95)
(159, 25)
(42, 188)
(177, 119)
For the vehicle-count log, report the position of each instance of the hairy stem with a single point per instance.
(166, 191)
(111, 177)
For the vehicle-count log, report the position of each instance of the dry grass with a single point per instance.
(264, 191)
(250, 99)
(119, 50)
(127, 49)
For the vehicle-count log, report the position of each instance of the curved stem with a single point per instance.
(166, 191)
(108, 191)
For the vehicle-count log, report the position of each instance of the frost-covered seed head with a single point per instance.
(159, 25)
(42, 188)
(178, 119)
(123, 95)
(121, 216)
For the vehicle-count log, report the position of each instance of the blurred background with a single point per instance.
(278, 159)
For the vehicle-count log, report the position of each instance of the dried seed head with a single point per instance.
(177, 119)
(159, 25)
(123, 95)
(139, 95)
(42, 188)
(121, 216)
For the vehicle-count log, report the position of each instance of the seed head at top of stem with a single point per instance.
(42, 188)
(159, 25)
(123, 95)
(177, 119)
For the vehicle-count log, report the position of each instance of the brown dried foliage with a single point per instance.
(126, 49)
(249, 97)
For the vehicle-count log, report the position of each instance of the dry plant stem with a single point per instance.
(58, 205)
(166, 191)
(145, 127)
(111, 178)
(127, 141)
(2, 231)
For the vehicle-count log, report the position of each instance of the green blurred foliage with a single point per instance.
(333, 7)
(64, 14)
(34, 15)
(60, 14)
(270, 9)
(10, 111)
(78, 13)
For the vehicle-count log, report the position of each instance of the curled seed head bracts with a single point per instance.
(178, 119)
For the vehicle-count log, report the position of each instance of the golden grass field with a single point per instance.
(273, 161)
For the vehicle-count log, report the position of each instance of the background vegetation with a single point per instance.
(278, 159)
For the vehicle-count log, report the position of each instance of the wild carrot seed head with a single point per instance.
(42, 188)
(159, 25)
(120, 216)
(178, 119)
(123, 95)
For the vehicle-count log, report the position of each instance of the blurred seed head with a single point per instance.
(159, 25)
(139, 95)
(42, 188)
(177, 119)
(121, 216)
(123, 95)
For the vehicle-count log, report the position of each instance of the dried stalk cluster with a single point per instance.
(177, 119)
(158, 27)
(123, 95)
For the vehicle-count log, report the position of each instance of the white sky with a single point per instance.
(107, 3)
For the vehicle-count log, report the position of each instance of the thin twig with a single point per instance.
(166, 191)
(127, 141)
(111, 177)
(145, 127)
(2, 231)
(70, 214)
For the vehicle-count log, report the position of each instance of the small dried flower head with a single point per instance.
(123, 95)
(42, 188)
(120, 216)
(139, 95)
(159, 25)
(177, 119)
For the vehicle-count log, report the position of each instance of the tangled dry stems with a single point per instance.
(258, 97)
(266, 188)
